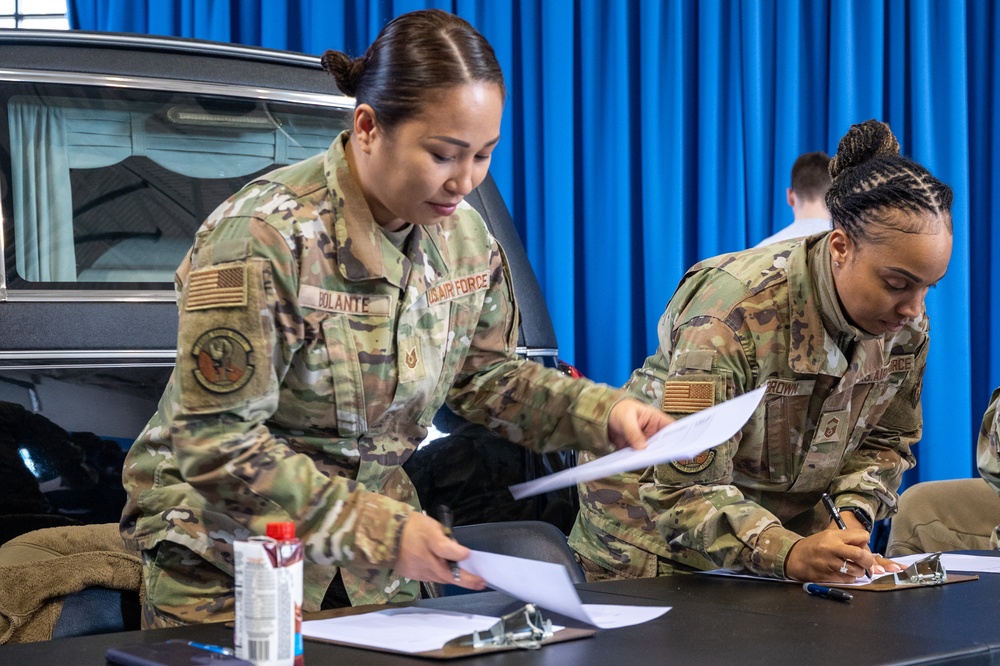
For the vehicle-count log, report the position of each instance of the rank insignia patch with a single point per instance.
(830, 427)
(411, 362)
(694, 465)
(688, 397)
(217, 288)
(222, 360)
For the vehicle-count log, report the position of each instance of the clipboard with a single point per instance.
(511, 626)
(926, 572)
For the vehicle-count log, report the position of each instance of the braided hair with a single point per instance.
(414, 54)
(871, 180)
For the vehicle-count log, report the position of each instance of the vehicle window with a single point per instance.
(110, 185)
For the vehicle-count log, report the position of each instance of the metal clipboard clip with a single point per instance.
(524, 628)
(928, 571)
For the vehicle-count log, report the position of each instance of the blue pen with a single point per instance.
(827, 592)
(217, 649)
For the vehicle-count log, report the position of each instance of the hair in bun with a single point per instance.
(346, 71)
(863, 142)
(871, 180)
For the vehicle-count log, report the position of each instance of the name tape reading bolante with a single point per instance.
(335, 301)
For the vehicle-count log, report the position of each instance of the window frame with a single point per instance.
(176, 85)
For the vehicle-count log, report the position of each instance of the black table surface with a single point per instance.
(714, 620)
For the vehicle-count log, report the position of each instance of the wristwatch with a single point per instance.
(861, 515)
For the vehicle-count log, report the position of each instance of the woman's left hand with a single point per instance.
(885, 565)
(631, 422)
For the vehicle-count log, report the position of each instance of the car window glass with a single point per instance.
(110, 185)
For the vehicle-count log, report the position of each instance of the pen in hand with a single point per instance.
(834, 512)
(447, 521)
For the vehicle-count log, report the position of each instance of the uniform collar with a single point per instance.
(821, 341)
(363, 251)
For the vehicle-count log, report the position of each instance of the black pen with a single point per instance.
(447, 521)
(834, 512)
(827, 592)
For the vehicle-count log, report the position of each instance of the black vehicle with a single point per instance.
(113, 149)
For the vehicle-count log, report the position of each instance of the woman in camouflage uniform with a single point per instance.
(834, 326)
(327, 310)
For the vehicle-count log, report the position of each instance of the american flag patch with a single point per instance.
(217, 288)
(688, 397)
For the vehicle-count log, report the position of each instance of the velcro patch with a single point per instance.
(223, 360)
(334, 301)
(694, 465)
(831, 426)
(788, 387)
(697, 360)
(217, 287)
(900, 363)
(449, 290)
(688, 397)
(411, 362)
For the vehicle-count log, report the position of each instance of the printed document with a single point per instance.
(684, 438)
(412, 630)
(957, 562)
(548, 585)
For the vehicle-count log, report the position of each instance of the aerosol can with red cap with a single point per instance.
(269, 597)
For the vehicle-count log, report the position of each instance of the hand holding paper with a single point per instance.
(679, 440)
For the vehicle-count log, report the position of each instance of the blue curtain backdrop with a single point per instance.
(641, 136)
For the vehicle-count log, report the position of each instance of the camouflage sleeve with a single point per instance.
(235, 346)
(705, 519)
(521, 400)
(870, 475)
(988, 454)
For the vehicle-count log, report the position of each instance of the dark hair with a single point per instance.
(871, 179)
(811, 175)
(413, 54)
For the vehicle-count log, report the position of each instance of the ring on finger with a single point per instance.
(843, 568)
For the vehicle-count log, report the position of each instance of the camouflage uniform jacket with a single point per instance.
(312, 356)
(989, 454)
(840, 415)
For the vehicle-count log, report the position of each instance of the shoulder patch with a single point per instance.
(222, 360)
(694, 465)
(217, 287)
(687, 397)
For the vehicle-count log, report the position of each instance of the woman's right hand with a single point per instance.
(425, 553)
(818, 558)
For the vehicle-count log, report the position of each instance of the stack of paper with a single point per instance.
(413, 630)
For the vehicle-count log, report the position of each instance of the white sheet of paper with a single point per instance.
(726, 573)
(548, 585)
(415, 629)
(957, 562)
(407, 630)
(681, 439)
